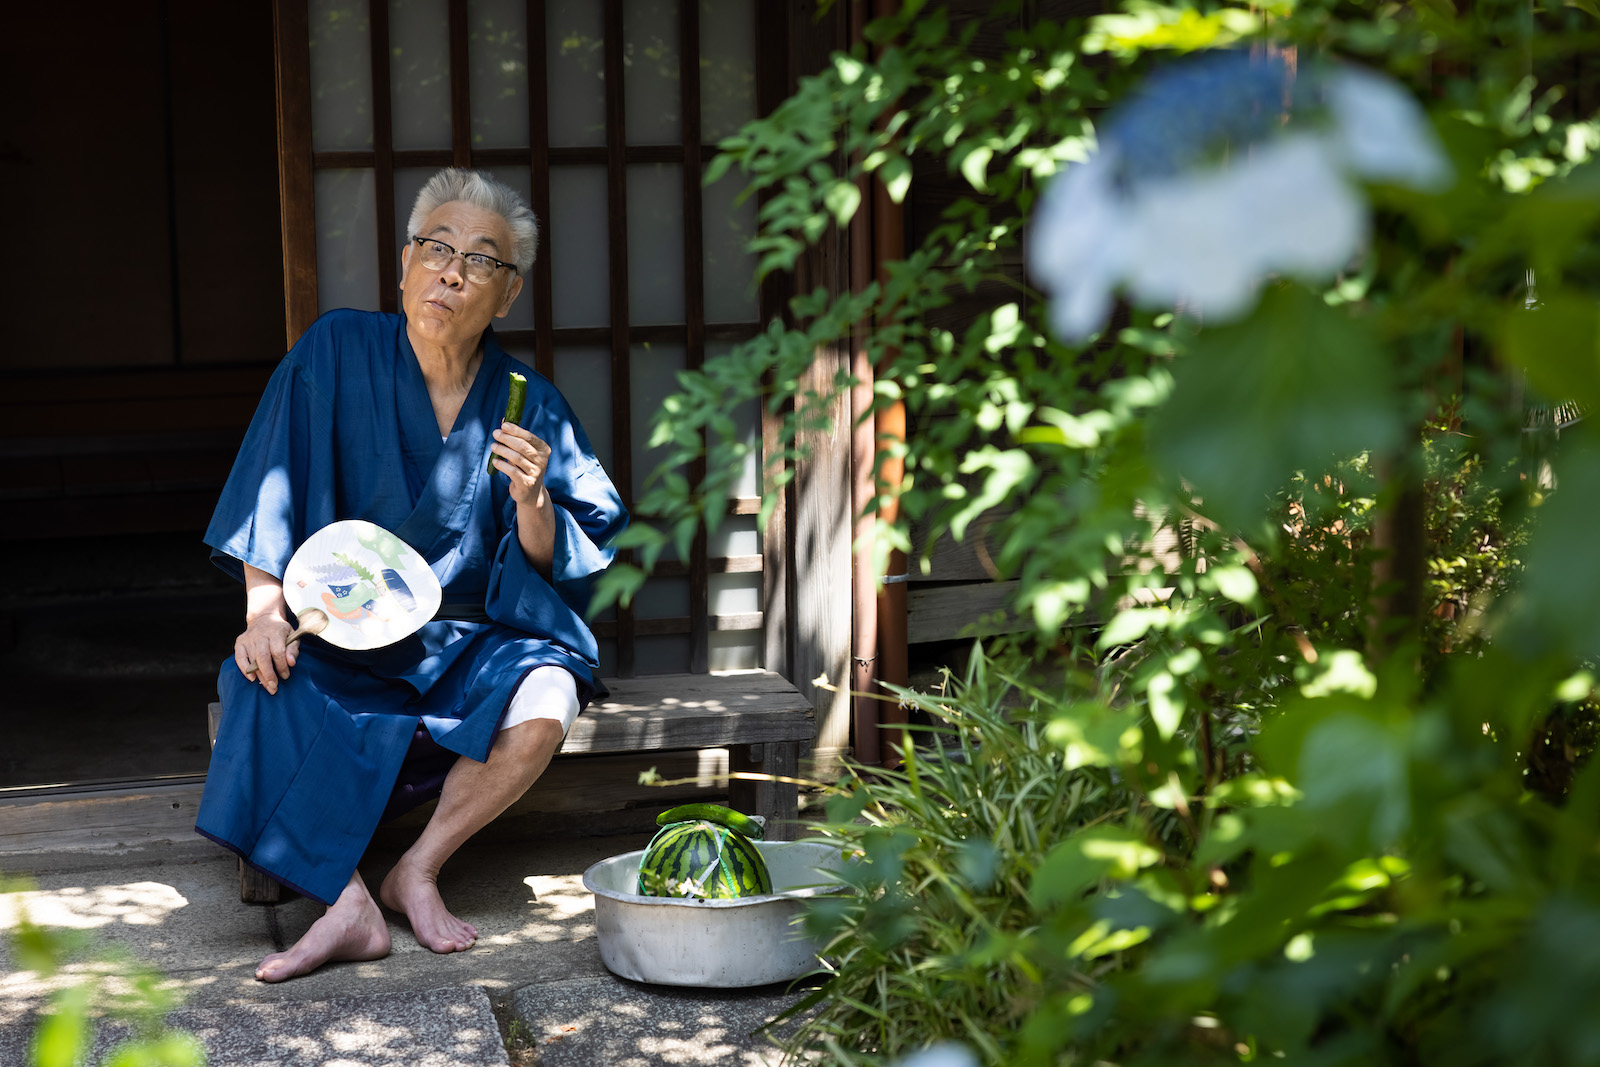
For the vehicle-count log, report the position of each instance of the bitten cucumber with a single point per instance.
(733, 820)
(514, 403)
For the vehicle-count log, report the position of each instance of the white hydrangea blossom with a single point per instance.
(1153, 214)
(945, 1054)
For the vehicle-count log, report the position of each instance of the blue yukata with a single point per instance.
(345, 430)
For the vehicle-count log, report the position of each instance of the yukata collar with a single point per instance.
(445, 505)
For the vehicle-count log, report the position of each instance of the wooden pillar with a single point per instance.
(296, 185)
(773, 84)
(822, 521)
(777, 802)
(863, 455)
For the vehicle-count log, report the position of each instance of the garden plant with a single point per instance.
(96, 985)
(1289, 409)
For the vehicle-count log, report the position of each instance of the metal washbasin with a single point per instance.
(723, 944)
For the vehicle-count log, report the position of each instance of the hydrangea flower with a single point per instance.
(1219, 172)
(944, 1054)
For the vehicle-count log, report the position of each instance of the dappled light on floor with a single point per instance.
(442, 1028)
(135, 904)
(559, 897)
(629, 1024)
(559, 909)
(449, 1028)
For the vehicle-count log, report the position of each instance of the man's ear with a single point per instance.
(511, 295)
(405, 261)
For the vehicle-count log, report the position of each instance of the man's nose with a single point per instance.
(452, 274)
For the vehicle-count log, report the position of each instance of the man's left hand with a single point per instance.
(523, 458)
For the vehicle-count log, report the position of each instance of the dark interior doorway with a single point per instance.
(111, 657)
(146, 163)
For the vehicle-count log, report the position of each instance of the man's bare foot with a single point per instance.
(352, 929)
(414, 892)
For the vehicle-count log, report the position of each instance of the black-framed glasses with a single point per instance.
(479, 268)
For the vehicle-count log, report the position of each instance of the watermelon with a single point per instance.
(704, 859)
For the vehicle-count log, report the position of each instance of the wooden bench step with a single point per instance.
(692, 711)
(669, 711)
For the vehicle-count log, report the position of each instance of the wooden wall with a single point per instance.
(146, 159)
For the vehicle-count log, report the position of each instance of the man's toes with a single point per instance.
(452, 943)
(274, 968)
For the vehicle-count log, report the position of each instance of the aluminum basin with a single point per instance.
(724, 944)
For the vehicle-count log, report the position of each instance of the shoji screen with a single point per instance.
(604, 114)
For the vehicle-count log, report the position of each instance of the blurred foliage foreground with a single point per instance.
(95, 984)
(1312, 786)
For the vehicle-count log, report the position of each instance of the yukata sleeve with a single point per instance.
(273, 496)
(588, 515)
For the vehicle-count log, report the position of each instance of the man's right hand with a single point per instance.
(261, 651)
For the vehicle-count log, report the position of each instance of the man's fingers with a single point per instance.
(511, 429)
(529, 459)
(280, 658)
(516, 437)
(260, 654)
(508, 455)
(265, 674)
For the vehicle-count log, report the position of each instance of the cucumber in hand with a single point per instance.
(514, 403)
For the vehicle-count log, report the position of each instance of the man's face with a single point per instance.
(443, 306)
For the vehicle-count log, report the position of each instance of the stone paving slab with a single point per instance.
(537, 962)
(619, 1023)
(449, 1027)
(535, 922)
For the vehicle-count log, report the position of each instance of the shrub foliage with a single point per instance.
(1314, 787)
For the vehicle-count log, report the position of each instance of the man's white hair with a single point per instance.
(481, 191)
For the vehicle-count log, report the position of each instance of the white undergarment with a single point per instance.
(546, 693)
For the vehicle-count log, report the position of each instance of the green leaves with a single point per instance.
(1085, 858)
(169, 1050)
(1207, 814)
(1092, 734)
(841, 199)
(63, 1037)
(1148, 26)
(975, 167)
(1294, 387)
(1556, 606)
(941, 935)
(1234, 582)
(896, 176)
(105, 983)
(1558, 343)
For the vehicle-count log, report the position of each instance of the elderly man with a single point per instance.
(390, 418)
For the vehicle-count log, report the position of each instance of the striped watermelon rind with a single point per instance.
(703, 860)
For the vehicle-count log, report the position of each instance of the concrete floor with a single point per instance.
(537, 965)
(105, 679)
